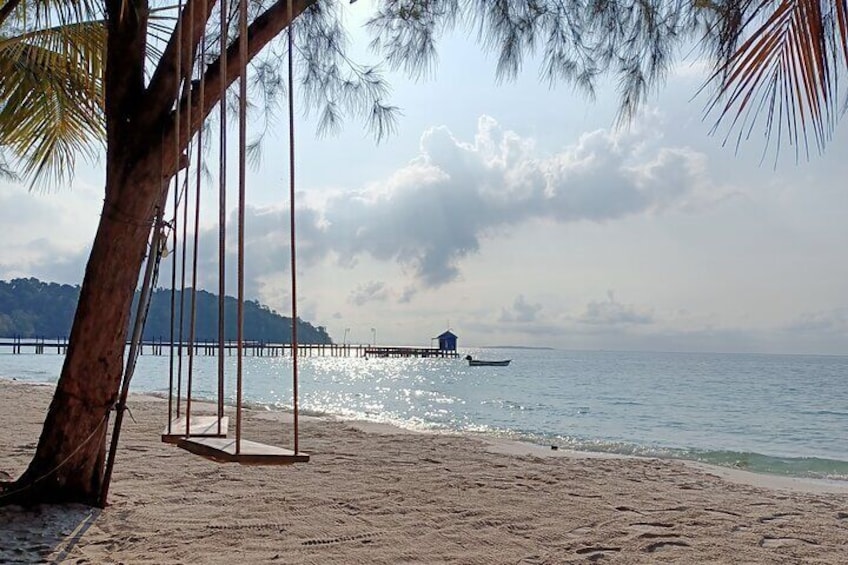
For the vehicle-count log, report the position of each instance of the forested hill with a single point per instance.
(32, 308)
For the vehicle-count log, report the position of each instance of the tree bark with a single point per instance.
(68, 463)
(141, 135)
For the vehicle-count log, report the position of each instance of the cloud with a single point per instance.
(613, 313)
(267, 253)
(43, 259)
(520, 311)
(47, 235)
(431, 214)
(609, 324)
(823, 322)
(408, 294)
(373, 291)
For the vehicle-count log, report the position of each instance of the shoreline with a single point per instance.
(517, 447)
(520, 448)
(740, 476)
(375, 495)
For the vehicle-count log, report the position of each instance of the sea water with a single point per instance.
(779, 414)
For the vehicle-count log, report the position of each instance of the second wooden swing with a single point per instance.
(207, 435)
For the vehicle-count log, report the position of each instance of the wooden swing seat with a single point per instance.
(201, 426)
(203, 437)
(223, 450)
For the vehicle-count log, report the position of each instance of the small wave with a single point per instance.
(800, 467)
(825, 413)
(510, 405)
(806, 467)
(17, 381)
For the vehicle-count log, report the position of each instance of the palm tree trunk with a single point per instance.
(141, 133)
(68, 463)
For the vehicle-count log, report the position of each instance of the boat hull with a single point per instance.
(480, 363)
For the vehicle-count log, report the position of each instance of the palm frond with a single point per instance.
(785, 72)
(51, 97)
(40, 14)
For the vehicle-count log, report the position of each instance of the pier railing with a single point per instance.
(59, 346)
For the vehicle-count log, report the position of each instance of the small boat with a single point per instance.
(480, 363)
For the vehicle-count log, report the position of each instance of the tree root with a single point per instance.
(24, 492)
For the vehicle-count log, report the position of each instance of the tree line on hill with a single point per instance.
(32, 308)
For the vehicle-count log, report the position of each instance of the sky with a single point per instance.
(516, 214)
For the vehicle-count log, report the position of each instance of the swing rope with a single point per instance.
(185, 73)
(171, 355)
(220, 448)
(222, 201)
(292, 224)
(242, 144)
(196, 242)
(178, 62)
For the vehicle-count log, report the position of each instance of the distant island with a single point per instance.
(32, 308)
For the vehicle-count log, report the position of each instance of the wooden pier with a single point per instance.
(385, 351)
(40, 345)
(37, 345)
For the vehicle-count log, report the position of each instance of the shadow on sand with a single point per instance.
(43, 534)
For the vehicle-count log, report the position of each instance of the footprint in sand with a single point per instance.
(597, 552)
(648, 527)
(771, 542)
(778, 517)
(664, 544)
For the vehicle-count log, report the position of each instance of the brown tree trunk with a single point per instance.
(68, 463)
(140, 157)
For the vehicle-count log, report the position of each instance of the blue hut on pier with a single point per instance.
(447, 341)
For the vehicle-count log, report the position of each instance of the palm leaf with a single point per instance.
(49, 13)
(786, 71)
(51, 97)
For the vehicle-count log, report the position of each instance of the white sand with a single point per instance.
(375, 495)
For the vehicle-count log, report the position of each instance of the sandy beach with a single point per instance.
(374, 494)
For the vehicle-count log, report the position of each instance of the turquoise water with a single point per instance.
(780, 414)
